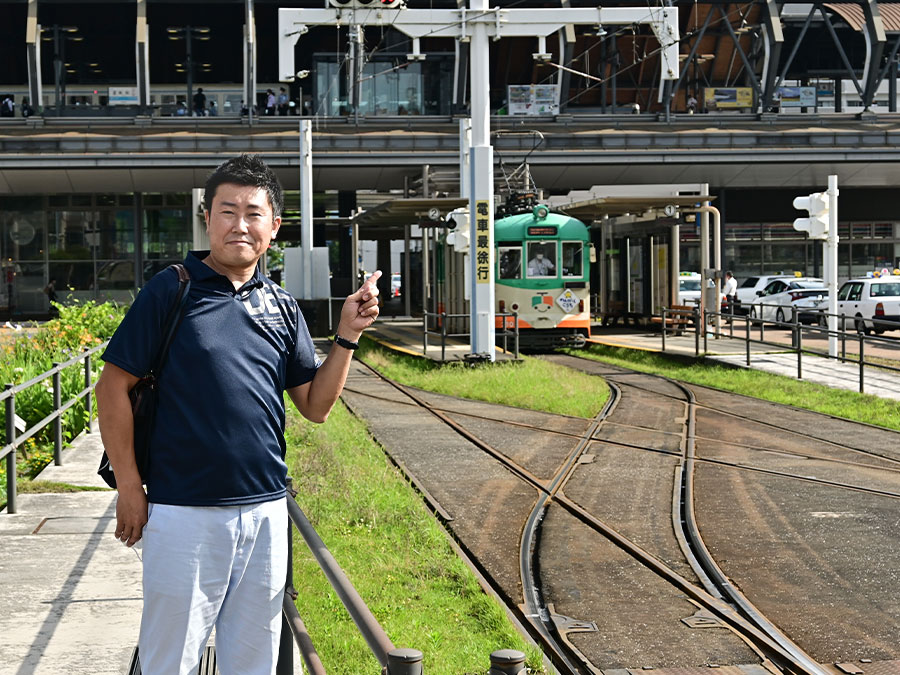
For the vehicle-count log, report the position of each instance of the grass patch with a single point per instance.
(394, 552)
(42, 486)
(767, 386)
(532, 383)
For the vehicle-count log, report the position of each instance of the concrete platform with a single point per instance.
(406, 335)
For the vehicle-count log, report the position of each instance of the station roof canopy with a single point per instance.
(598, 207)
(853, 14)
(392, 216)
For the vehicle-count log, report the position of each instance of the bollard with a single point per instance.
(705, 333)
(799, 352)
(697, 329)
(862, 362)
(748, 338)
(443, 336)
(664, 329)
(507, 662)
(57, 422)
(404, 661)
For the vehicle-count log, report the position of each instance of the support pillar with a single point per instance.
(481, 201)
(33, 52)
(249, 59)
(142, 56)
(306, 206)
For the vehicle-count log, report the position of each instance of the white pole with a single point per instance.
(704, 254)
(481, 200)
(831, 266)
(306, 207)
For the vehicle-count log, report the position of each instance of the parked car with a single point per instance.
(395, 285)
(746, 292)
(780, 296)
(867, 302)
(689, 288)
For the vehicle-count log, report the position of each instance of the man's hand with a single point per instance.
(131, 514)
(360, 309)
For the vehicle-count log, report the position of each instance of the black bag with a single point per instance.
(145, 394)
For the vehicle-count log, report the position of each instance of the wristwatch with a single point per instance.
(346, 344)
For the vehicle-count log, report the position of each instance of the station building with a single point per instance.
(102, 153)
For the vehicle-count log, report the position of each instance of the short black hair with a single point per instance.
(246, 170)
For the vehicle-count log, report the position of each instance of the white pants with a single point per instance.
(206, 566)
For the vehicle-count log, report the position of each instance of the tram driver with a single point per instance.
(540, 265)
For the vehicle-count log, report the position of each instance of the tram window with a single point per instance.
(572, 258)
(510, 262)
(542, 259)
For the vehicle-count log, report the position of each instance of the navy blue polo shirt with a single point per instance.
(219, 433)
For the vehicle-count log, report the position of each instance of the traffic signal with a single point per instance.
(368, 4)
(817, 223)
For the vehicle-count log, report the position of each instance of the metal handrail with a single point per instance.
(797, 345)
(394, 661)
(13, 441)
(443, 316)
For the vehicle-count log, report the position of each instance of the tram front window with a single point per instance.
(572, 259)
(510, 262)
(542, 259)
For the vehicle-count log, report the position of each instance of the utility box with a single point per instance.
(321, 273)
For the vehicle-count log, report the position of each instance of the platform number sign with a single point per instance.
(482, 241)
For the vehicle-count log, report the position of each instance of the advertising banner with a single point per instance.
(796, 97)
(727, 98)
(532, 99)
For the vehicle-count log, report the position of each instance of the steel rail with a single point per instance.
(764, 423)
(720, 608)
(659, 451)
(535, 610)
(704, 564)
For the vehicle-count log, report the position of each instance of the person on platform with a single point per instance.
(213, 519)
(200, 103)
(729, 292)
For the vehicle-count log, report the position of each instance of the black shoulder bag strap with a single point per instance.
(143, 394)
(173, 319)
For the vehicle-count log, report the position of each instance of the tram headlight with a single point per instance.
(540, 212)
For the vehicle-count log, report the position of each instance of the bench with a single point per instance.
(677, 318)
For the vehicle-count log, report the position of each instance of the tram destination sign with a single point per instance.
(542, 231)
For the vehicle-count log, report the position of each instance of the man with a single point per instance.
(200, 103)
(729, 291)
(539, 266)
(282, 101)
(215, 530)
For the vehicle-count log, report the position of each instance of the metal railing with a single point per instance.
(13, 441)
(443, 319)
(816, 326)
(393, 660)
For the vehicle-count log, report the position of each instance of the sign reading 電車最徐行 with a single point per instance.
(482, 241)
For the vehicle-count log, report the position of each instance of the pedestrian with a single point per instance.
(270, 102)
(7, 106)
(729, 292)
(27, 110)
(691, 105)
(213, 110)
(214, 516)
(282, 101)
(50, 291)
(200, 103)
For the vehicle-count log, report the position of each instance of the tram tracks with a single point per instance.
(534, 609)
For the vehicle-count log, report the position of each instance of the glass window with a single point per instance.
(168, 237)
(844, 292)
(855, 292)
(749, 282)
(115, 275)
(510, 258)
(862, 230)
(572, 258)
(883, 231)
(22, 235)
(885, 290)
(542, 259)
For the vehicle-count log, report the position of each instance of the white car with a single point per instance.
(746, 292)
(867, 300)
(778, 299)
(689, 288)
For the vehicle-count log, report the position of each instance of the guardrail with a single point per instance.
(816, 326)
(13, 442)
(393, 660)
(443, 319)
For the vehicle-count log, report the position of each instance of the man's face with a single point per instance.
(240, 225)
